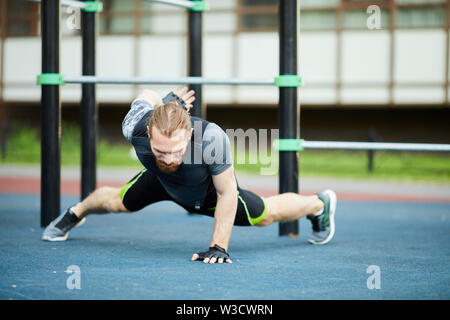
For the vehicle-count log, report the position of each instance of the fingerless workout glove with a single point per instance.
(173, 97)
(214, 252)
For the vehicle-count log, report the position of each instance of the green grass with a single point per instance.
(24, 148)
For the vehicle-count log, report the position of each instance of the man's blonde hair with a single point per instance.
(168, 118)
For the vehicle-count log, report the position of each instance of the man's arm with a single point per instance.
(225, 184)
(140, 106)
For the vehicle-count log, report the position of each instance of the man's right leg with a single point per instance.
(141, 191)
(102, 200)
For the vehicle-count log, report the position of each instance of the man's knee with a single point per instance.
(268, 218)
(116, 206)
(114, 202)
(265, 222)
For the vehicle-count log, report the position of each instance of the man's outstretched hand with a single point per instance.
(213, 255)
(154, 98)
(187, 96)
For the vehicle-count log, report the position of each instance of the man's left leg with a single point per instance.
(319, 209)
(290, 206)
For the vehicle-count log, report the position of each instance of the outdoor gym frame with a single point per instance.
(51, 81)
(288, 82)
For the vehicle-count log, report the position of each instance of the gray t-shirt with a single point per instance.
(208, 154)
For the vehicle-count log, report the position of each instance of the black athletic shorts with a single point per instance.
(145, 189)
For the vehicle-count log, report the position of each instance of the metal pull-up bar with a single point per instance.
(154, 80)
(300, 145)
(385, 146)
(280, 81)
(178, 3)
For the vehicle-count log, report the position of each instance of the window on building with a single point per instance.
(308, 4)
(317, 20)
(158, 18)
(22, 18)
(419, 1)
(421, 17)
(357, 19)
(262, 15)
(365, 3)
(258, 3)
(258, 15)
(318, 15)
(118, 17)
(141, 17)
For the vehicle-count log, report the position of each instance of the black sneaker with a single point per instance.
(58, 229)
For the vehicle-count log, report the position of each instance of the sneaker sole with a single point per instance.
(333, 204)
(63, 238)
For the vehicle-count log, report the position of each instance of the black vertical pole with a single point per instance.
(195, 58)
(287, 113)
(88, 107)
(50, 114)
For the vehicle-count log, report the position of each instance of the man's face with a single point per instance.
(169, 151)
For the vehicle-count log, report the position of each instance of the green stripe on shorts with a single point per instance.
(129, 184)
(256, 220)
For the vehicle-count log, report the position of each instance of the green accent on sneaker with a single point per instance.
(326, 221)
(125, 188)
(326, 212)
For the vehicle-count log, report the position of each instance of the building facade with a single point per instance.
(377, 54)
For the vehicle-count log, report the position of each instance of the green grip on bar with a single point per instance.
(199, 5)
(93, 6)
(288, 80)
(288, 144)
(50, 79)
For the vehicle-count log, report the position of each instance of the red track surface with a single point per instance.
(72, 187)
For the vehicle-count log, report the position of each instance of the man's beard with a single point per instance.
(172, 167)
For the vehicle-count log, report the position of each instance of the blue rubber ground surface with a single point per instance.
(146, 255)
